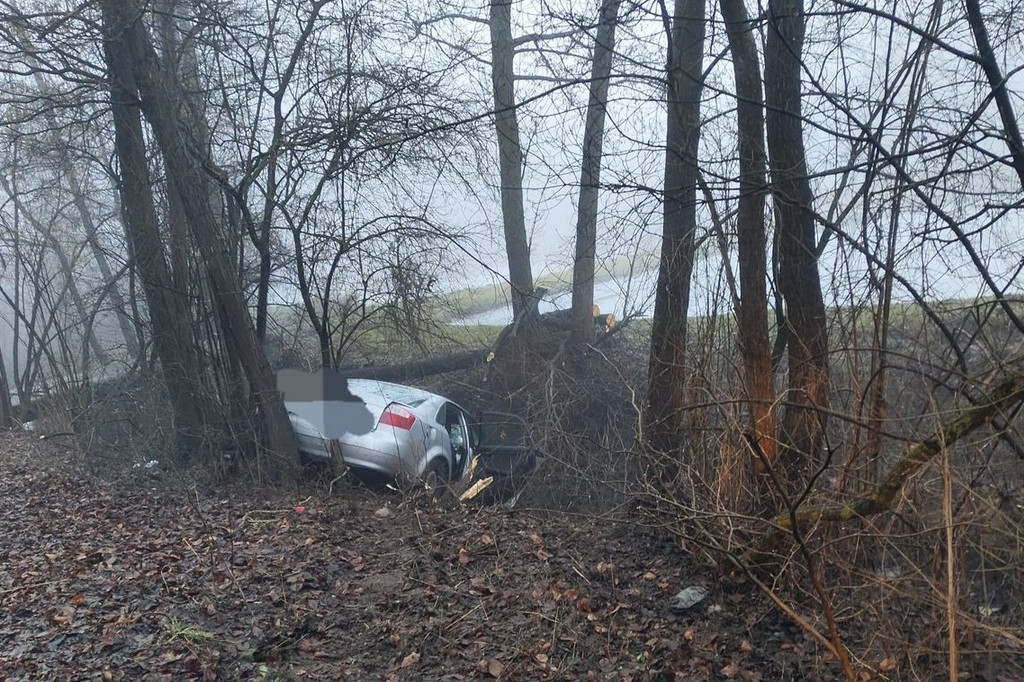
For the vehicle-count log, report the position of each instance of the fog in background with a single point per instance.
(462, 197)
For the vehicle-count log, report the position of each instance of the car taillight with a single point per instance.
(398, 417)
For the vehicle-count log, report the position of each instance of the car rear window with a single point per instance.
(407, 395)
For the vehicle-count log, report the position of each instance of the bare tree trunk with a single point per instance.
(882, 274)
(666, 390)
(6, 411)
(158, 98)
(752, 242)
(510, 155)
(170, 321)
(120, 306)
(807, 399)
(590, 175)
(997, 82)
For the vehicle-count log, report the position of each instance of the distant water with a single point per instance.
(610, 295)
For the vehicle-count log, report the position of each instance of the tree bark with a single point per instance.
(169, 319)
(158, 97)
(667, 375)
(6, 411)
(510, 155)
(590, 174)
(752, 242)
(997, 82)
(807, 399)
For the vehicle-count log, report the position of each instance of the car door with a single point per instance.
(456, 426)
(503, 444)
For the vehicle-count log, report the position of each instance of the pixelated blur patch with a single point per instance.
(324, 399)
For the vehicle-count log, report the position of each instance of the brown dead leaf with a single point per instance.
(490, 666)
(358, 585)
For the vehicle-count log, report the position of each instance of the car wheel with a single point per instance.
(436, 473)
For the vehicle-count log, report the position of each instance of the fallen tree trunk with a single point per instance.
(420, 369)
(1007, 395)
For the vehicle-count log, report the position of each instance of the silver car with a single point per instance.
(386, 429)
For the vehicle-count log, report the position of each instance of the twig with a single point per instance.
(1007, 395)
(951, 600)
(801, 622)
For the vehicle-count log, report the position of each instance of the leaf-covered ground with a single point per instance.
(143, 576)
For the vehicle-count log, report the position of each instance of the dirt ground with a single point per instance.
(142, 575)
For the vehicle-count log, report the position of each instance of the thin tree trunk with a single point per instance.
(667, 376)
(590, 175)
(752, 243)
(807, 399)
(170, 323)
(120, 306)
(78, 199)
(6, 411)
(158, 96)
(877, 402)
(997, 82)
(46, 233)
(229, 380)
(510, 155)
